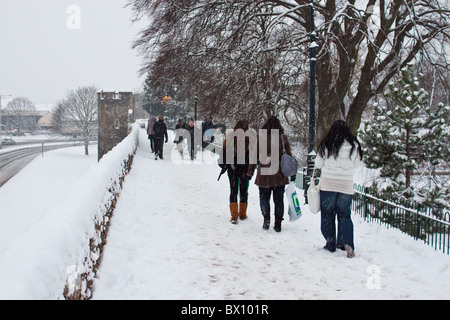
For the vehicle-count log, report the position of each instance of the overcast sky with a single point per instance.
(45, 50)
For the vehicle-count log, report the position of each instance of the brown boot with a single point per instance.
(243, 210)
(234, 207)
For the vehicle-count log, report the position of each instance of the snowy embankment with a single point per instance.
(170, 238)
(40, 248)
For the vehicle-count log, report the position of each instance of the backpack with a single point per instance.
(289, 165)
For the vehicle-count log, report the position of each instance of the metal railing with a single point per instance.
(432, 226)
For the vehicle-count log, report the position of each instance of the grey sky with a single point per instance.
(41, 58)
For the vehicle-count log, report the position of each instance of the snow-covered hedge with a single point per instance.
(59, 256)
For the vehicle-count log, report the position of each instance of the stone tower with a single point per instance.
(115, 112)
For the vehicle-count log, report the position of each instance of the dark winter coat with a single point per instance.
(274, 180)
(151, 123)
(194, 131)
(232, 164)
(160, 130)
(237, 171)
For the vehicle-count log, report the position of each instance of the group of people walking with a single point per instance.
(239, 174)
(339, 154)
(157, 134)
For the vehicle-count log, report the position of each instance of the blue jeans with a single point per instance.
(332, 204)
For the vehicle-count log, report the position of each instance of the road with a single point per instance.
(11, 162)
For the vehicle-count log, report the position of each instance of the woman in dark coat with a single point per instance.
(270, 179)
(237, 168)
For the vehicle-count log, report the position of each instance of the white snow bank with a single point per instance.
(38, 262)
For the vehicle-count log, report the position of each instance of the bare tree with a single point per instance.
(233, 78)
(361, 44)
(385, 36)
(22, 110)
(80, 112)
(57, 117)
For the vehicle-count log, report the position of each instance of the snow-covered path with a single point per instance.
(170, 238)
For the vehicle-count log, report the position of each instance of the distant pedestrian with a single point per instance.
(208, 137)
(193, 143)
(339, 154)
(151, 133)
(160, 136)
(237, 168)
(179, 137)
(273, 181)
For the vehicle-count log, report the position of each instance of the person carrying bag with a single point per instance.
(339, 154)
(274, 182)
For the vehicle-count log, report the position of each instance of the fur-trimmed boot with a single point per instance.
(234, 210)
(243, 210)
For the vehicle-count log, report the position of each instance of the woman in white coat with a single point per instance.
(339, 154)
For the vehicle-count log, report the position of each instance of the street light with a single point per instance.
(312, 93)
(1, 136)
(312, 102)
(195, 105)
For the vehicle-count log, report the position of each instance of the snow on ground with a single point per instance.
(38, 188)
(53, 240)
(170, 238)
(31, 141)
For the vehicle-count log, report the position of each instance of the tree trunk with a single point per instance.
(358, 105)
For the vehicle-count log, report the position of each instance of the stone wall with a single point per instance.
(114, 115)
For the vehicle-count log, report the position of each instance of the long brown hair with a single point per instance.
(241, 124)
(273, 123)
(244, 125)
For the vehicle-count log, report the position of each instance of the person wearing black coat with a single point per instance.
(192, 143)
(160, 135)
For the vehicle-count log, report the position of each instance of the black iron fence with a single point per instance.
(429, 225)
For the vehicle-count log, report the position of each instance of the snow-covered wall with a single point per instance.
(57, 257)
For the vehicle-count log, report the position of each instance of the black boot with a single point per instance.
(266, 223)
(277, 226)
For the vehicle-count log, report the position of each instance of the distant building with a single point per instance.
(31, 120)
(116, 109)
(46, 120)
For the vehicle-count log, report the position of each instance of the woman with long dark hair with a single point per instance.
(269, 178)
(339, 154)
(236, 168)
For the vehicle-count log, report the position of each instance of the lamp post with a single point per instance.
(1, 135)
(312, 92)
(195, 105)
(312, 102)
